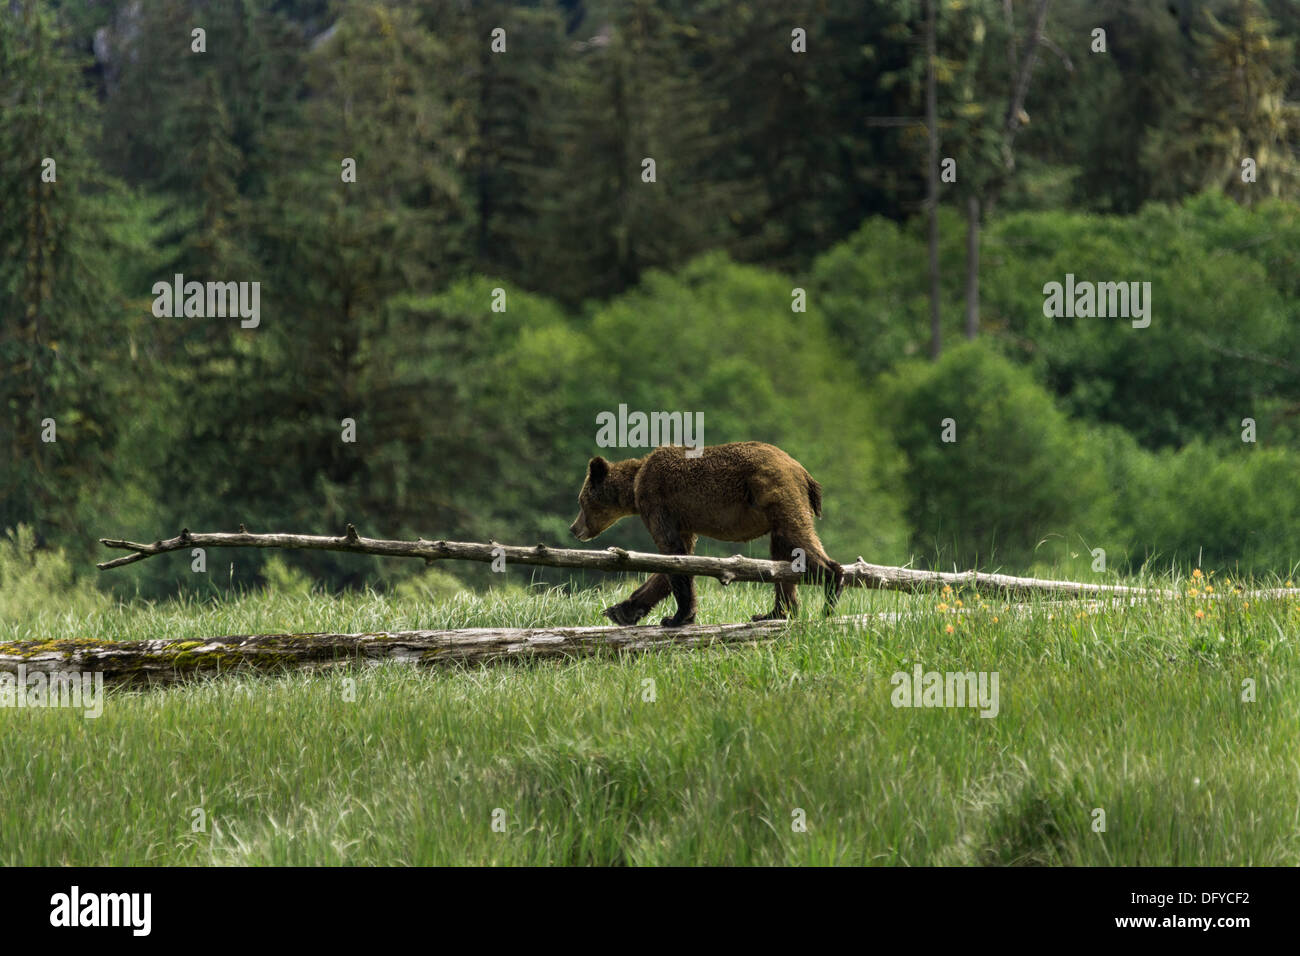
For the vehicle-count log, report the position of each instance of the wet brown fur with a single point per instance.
(734, 492)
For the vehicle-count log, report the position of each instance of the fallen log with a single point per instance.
(164, 661)
(735, 568)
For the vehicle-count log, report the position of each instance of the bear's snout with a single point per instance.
(579, 529)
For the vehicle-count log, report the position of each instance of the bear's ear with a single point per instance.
(597, 469)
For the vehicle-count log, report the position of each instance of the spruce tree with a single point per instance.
(57, 341)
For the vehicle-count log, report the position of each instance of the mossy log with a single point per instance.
(161, 661)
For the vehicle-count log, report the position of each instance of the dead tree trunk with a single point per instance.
(932, 180)
(972, 267)
(735, 568)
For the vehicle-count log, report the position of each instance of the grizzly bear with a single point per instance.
(733, 492)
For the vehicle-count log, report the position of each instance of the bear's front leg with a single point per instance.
(670, 539)
(625, 613)
(640, 601)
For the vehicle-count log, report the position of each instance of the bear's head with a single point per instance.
(606, 496)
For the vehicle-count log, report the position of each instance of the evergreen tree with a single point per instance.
(625, 96)
(500, 68)
(1133, 91)
(57, 347)
(250, 65)
(363, 203)
(1240, 112)
(818, 129)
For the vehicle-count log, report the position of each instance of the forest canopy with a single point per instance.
(476, 227)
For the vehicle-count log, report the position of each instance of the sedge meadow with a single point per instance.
(786, 751)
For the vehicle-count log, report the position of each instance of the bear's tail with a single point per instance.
(814, 494)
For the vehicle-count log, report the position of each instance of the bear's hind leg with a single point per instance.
(833, 575)
(787, 600)
(795, 529)
(822, 569)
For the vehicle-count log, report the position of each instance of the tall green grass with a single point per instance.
(680, 757)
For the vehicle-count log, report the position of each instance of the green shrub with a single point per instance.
(1221, 337)
(1017, 473)
(873, 290)
(34, 581)
(1236, 511)
(434, 585)
(284, 578)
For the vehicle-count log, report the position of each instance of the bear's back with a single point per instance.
(726, 491)
(738, 458)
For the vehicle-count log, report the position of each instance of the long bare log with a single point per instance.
(888, 578)
(735, 568)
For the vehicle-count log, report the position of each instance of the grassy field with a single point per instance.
(680, 757)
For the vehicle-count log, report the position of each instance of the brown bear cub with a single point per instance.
(734, 492)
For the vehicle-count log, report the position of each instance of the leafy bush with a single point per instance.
(1220, 339)
(1016, 473)
(1201, 507)
(873, 290)
(434, 585)
(284, 578)
(35, 581)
